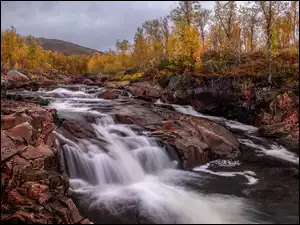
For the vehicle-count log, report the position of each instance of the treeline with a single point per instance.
(191, 37)
(26, 55)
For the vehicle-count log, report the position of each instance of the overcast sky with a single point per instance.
(92, 24)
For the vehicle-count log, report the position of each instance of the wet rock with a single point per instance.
(109, 95)
(87, 81)
(78, 130)
(197, 140)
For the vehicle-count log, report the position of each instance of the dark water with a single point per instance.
(261, 186)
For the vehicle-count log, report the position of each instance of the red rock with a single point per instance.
(8, 147)
(15, 197)
(169, 126)
(9, 121)
(38, 163)
(31, 153)
(109, 95)
(50, 141)
(87, 81)
(45, 151)
(23, 130)
(25, 218)
(75, 216)
(85, 221)
(35, 190)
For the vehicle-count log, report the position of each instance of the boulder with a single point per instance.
(109, 95)
(145, 90)
(87, 81)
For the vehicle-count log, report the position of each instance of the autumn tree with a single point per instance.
(202, 17)
(269, 10)
(11, 45)
(165, 30)
(141, 48)
(226, 16)
(248, 19)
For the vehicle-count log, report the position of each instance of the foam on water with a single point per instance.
(275, 150)
(249, 175)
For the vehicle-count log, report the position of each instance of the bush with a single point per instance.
(121, 76)
(218, 62)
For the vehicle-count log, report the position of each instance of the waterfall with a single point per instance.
(131, 174)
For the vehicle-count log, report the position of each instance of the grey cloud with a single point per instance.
(92, 24)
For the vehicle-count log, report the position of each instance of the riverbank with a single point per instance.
(273, 108)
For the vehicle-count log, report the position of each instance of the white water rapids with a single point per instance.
(132, 173)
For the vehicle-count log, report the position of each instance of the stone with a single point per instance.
(35, 190)
(8, 147)
(31, 153)
(75, 216)
(109, 95)
(9, 121)
(23, 130)
(87, 81)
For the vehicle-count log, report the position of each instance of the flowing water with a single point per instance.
(128, 177)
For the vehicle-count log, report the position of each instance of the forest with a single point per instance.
(259, 38)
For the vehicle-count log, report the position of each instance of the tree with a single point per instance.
(249, 21)
(269, 11)
(141, 48)
(185, 13)
(165, 30)
(122, 48)
(226, 15)
(11, 44)
(202, 17)
(294, 18)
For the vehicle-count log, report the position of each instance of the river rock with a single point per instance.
(145, 90)
(32, 191)
(109, 95)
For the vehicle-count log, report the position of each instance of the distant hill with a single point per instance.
(64, 47)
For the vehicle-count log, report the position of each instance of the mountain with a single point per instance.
(64, 47)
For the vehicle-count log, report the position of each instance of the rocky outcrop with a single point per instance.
(32, 188)
(281, 116)
(196, 140)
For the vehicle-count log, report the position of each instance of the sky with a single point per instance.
(91, 24)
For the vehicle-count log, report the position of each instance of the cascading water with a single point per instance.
(130, 178)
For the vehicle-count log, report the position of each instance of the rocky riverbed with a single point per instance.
(224, 157)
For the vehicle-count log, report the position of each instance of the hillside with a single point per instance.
(64, 47)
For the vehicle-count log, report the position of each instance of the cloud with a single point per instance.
(92, 24)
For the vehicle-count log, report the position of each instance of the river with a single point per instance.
(127, 177)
